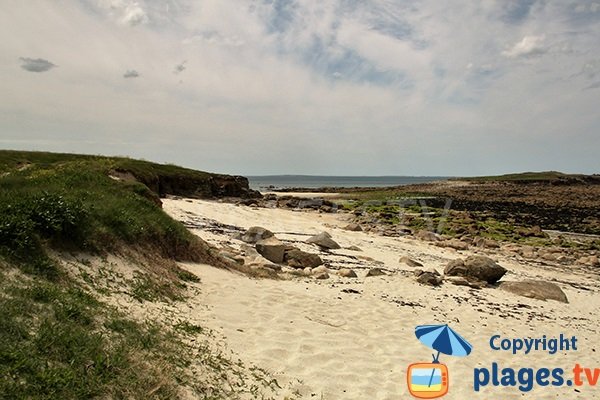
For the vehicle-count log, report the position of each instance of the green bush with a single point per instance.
(26, 220)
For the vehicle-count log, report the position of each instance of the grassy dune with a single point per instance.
(56, 339)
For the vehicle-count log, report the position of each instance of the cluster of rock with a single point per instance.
(262, 250)
(290, 202)
(481, 271)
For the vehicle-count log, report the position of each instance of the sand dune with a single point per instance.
(354, 338)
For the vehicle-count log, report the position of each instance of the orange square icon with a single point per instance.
(427, 380)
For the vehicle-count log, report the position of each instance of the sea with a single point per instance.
(271, 182)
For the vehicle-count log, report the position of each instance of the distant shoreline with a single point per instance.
(310, 182)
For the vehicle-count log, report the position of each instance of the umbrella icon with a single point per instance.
(443, 339)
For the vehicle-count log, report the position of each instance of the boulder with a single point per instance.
(296, 258)
(428, 236)
(256, 233)
(540, 290)
(375, 272)
(324, 241)
(454, 244)
(353, 227)
(319, 270)
(410, 262)
(311, 203)
(347, 273)
(322, 275)
(478, 267)
(428, 277)
(272, 249)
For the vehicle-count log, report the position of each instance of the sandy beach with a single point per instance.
(353, 338)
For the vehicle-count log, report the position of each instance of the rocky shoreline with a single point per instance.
(565, 204)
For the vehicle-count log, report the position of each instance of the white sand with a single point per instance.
(334, 345)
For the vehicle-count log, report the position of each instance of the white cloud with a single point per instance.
(133, 14)
(528, 46)
(126, 12)
(324, 86)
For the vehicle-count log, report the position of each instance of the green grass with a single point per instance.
(53, 344)
(71, 203)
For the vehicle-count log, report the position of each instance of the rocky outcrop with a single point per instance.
(478, 267)
(185, 182)
(540, 290)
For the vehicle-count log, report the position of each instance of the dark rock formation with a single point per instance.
(478, 267)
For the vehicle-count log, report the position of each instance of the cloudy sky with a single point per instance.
(331, 87)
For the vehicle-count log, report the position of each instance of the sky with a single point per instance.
(321, 87)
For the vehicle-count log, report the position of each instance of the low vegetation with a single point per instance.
(421, 212)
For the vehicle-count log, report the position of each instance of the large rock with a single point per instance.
(429, 277)
(353, 227)
(256, 233)
(478, 267)
(272, 249)
(375, 272)
(324, 241)
(540, 290)
(296, 258)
